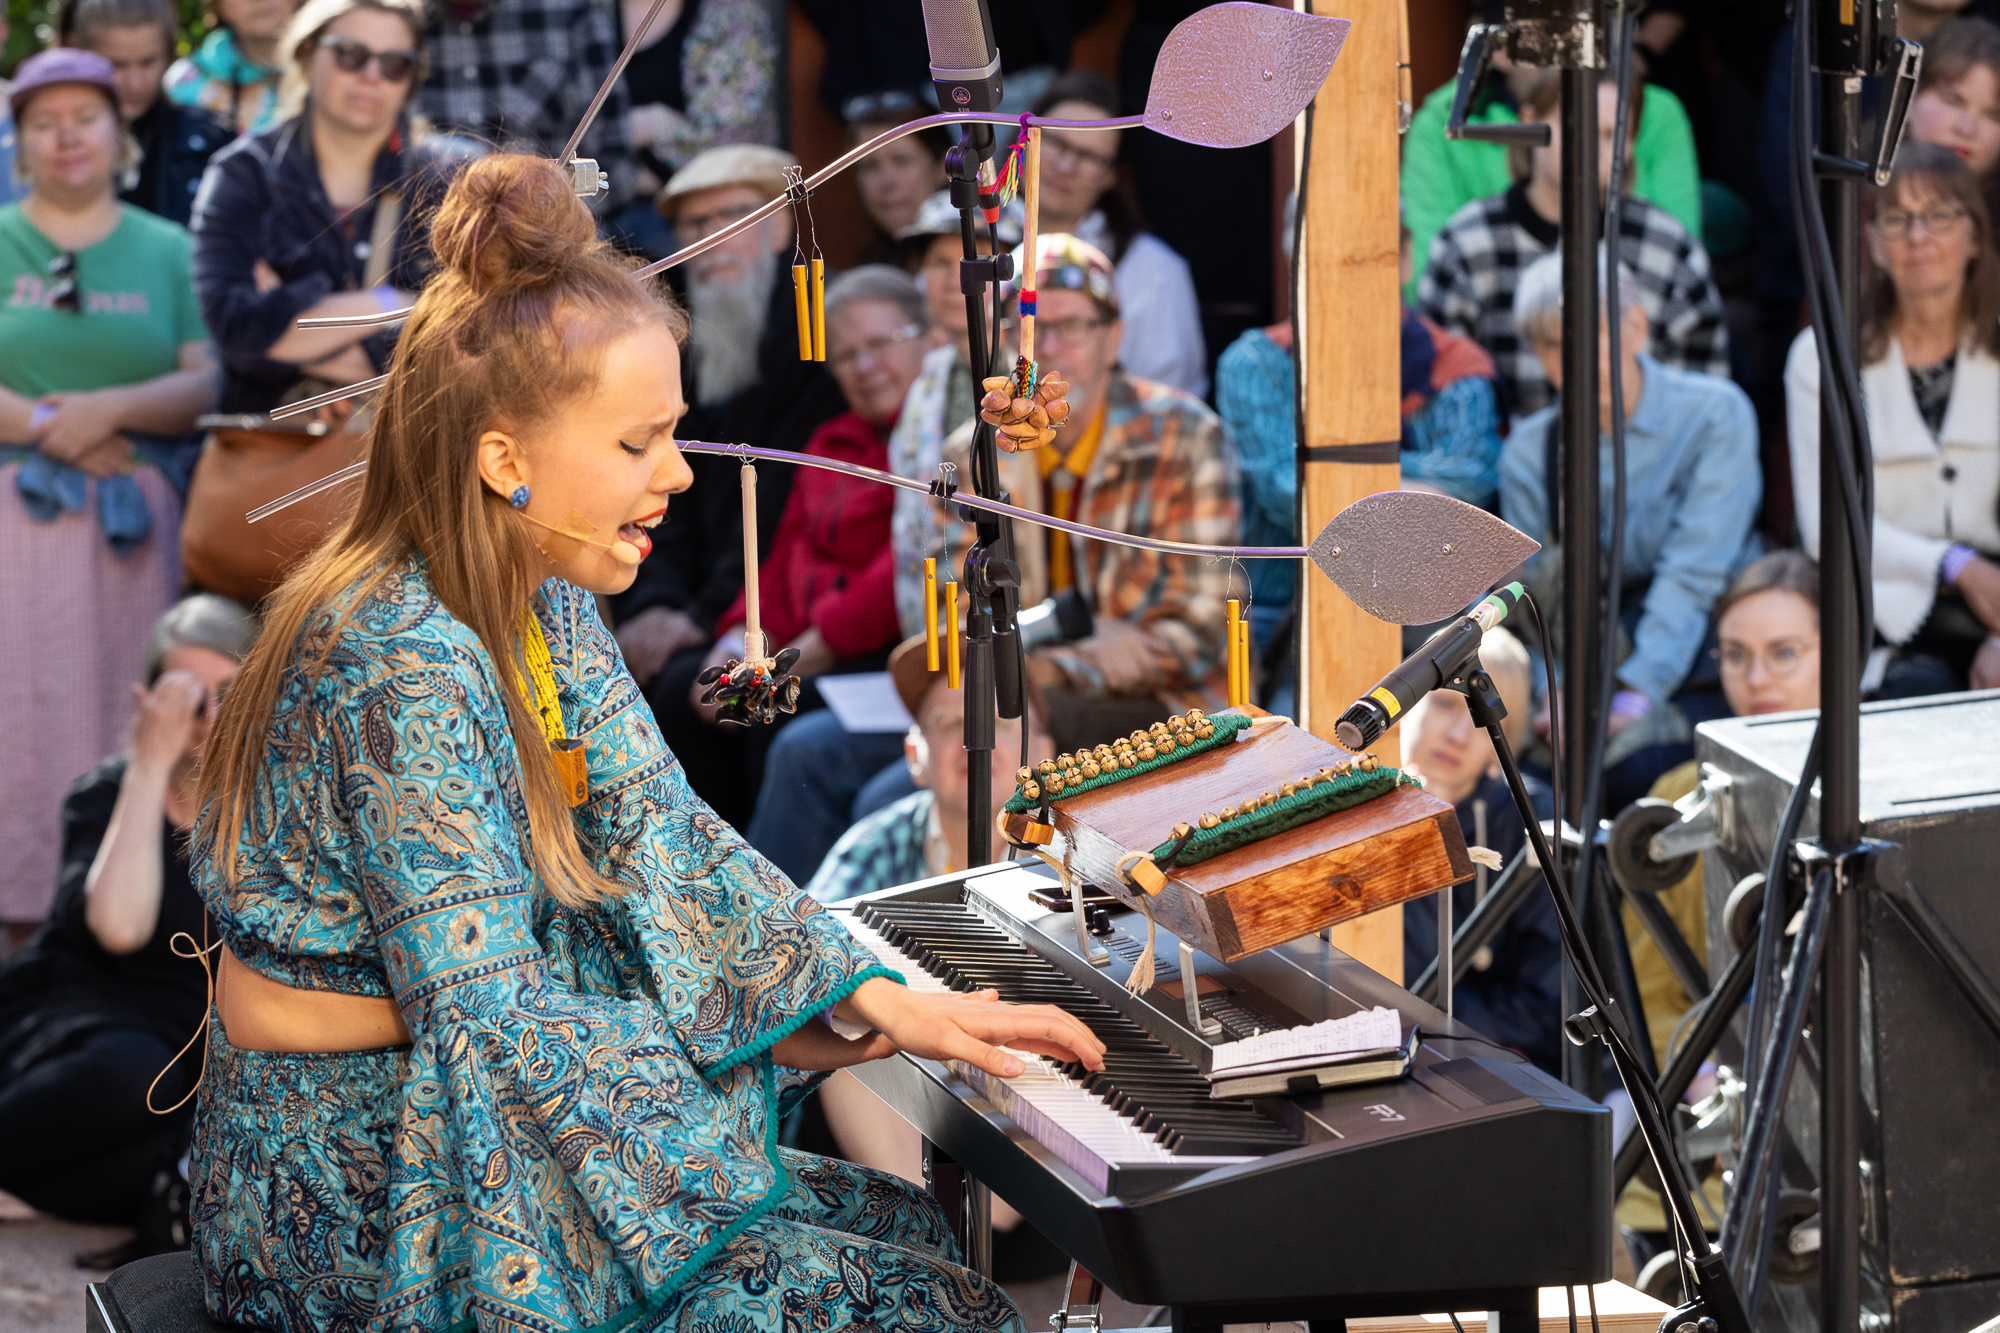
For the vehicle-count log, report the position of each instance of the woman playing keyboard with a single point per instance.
(507, 1018)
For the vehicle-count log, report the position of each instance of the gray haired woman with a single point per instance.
(97, 1004)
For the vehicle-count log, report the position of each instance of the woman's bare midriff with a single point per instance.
(259, 1014)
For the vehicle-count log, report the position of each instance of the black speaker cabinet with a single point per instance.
(1930, 780)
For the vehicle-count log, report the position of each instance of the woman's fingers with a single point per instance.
(961, 1045)
(1040, 1022)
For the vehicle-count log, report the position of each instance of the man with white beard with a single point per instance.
(744, 384)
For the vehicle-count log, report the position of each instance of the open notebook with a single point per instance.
(1363, 1047)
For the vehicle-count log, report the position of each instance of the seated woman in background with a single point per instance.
(1957, 105)
(1930, 376)
(898, 178)
(827, 587)
(97, 1003)
(103, 359)
(234, 74)
(312, 218)
(1767, 631)
(175, 141)
(1084, 194)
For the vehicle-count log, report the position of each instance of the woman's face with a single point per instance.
(215, 671)
(1924, 241)
(69, 136)
(608, 458)
(363, 101)
(1963, 116)
(875, 350)
(139, 55)
(895, 180)
(1770, 653)
(1077, 165)
(258, 20)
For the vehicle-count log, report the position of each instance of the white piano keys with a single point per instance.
(1067, 1119)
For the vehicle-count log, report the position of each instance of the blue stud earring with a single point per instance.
(519, 499)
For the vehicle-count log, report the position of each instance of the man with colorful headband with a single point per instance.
(1135, 457)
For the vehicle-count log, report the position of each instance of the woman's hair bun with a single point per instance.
(509, 220)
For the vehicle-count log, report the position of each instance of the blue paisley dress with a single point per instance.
(582, 1134)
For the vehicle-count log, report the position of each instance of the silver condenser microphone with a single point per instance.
(965, 60)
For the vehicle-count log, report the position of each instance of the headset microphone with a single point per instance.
(1445, 657)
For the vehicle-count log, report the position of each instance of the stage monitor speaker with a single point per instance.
(1930, 780)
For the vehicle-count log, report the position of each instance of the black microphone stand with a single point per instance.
(1712, 1305)
(991, 578)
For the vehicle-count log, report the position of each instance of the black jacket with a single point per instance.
(697, 560)
(178, 141)
(262, 199)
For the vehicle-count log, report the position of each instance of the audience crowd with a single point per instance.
(172, 203)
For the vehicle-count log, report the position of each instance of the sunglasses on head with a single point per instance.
(64, 294)
(353, 57)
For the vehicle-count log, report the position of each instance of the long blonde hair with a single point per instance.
(510, 331)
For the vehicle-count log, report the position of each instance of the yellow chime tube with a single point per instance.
(818, 309)
(930, 614)
(951, 634)
(802, 302)
(1239, 683)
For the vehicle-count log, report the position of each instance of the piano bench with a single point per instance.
(157, 1295)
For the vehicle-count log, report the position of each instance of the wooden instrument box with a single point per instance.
(1346, 864)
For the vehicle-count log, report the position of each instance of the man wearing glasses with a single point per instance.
(744, 384)
(1135, 457)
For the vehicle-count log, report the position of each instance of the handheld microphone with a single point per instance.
(965, 60)
(1443, 658)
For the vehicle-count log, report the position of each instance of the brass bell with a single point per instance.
(1031, 791)
(1055, 784)
(1208, 821)
(1164, 744)
(1195, 716)
(1147, 754)
(1072, 776)
(1228, 813)
(1046, 767)
(1369, 763)
(1091, 768)
(1182, 830)
(1137, 738)
(1158, 729)
(1324, 775)
(1204, 730)
(1023, 774)
(1289, 789)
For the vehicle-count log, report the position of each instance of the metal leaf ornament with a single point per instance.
(1415, 557)
(1232, 75)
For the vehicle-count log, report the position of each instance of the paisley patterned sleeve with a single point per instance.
(737, 956)
(559, 1154)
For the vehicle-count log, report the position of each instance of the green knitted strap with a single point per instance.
(1226, 726)
(1341, 792)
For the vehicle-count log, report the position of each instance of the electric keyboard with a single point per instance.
(1467, 1185)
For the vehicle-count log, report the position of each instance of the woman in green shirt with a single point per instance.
(102, 353)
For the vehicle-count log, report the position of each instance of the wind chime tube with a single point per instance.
(1235, 669)
(818, 308)
(753, 625)
(951, 634)
(802, 301)
(930, 614)
(1243, 659)
(1031, 200)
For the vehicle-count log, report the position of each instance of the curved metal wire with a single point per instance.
(744, 453)
(751, 219)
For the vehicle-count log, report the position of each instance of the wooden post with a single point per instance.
(1350, 317)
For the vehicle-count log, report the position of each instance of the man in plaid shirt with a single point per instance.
(1135, 457)
(1476, 263)
(521, 73)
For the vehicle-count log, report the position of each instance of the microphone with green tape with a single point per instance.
(1445, 657)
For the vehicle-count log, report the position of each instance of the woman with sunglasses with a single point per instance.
(314, 216)
(1930, 352)
(98, 1003)
(103, 359)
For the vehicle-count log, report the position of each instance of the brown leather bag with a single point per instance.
(250, 461)
(243, 467)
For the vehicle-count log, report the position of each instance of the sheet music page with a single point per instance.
(1368, 1030)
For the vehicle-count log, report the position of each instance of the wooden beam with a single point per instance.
(1353, 376)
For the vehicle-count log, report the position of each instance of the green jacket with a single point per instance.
(1440, 177)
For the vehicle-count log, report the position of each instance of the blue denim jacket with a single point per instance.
(1693, 484)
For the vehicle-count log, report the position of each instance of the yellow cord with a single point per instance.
(542, 674)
